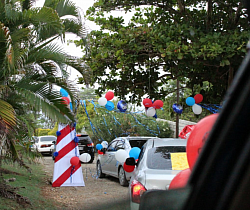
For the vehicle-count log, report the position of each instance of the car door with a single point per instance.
(114, 164)
(108, 156)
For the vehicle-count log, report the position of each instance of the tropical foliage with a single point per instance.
(33, 67)
(193, 41)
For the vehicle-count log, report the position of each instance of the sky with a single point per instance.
(71, 49)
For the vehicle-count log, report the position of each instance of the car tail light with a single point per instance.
(78, 134)
(90, 145)
(137, 189)
(45, 145)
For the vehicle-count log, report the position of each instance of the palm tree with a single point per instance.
(30, 62)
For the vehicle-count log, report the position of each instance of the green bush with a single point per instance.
(42, 132)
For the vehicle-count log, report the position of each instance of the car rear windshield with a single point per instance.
(160, 157)
(84, 139)
(137, 143)
(48, 138)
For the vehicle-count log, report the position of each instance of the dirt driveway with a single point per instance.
(105, 193)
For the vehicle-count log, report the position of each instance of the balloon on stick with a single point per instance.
(65, 100)
(109, 95)
(198, 98)
(128, 168)
(196, 109)
(121, 155)
(99, 146)
(150, 112)
(158, 104)
(180, 180)
(190, 101)
(134, 152)
(147, 102)
(85, 157)
(105, 144)
(102, 101)
(110, 106)
(122, 106)
(74, 161)
(63, 92)
(198, 137)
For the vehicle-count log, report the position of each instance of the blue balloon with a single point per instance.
(64, 93)
(76, 139)
(177, 108)
(58, 133)
(135, 152)
(155, 116)
(122, 106)
(99, 146)
(55, 154)
(190, 101)
(110, 105)
(71, 106)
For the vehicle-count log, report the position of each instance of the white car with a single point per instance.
(154, 169)
(44, 144)
(107, 163)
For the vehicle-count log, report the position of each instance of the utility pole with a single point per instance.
(177, 115)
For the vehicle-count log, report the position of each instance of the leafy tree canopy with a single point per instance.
(165, 40)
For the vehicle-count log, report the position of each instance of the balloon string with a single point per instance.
(72, 170)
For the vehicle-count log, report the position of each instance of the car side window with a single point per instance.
(120, 145)
(112, 146)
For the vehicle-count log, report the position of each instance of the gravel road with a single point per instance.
(105, 193)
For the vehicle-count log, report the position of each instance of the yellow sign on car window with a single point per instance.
(179, 161)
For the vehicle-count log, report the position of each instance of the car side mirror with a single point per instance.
(54, 142)
(130, 161)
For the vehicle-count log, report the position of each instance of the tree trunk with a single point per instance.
(177, 115)
(230, 76)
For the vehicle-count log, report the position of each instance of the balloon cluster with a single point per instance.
(99, 147)
(109, 105)
(121, 156)
(150, 106)
(195, 142)
(66, 98)
(194, 101)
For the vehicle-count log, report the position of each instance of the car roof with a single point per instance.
(136, 137)
(168, 142)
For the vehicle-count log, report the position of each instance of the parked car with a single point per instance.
(107, 163)
(43, 144)
(85, 145)
(155, 169)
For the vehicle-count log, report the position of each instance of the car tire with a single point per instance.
(122, 177)
(99, 170)
(91, 161)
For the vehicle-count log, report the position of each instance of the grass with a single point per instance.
(29, 185)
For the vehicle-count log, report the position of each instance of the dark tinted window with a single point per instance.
(160, 158)
(84, 139)
(137, 143)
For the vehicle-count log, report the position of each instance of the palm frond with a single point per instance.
(8, 116)
(66, 7)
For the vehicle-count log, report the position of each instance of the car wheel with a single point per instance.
(99, 170)
(122, 177)
(91, 161)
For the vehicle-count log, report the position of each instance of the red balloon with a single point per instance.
(198, 137)
(158, 104)
(180, 180)
(128, 168)
(198, 98)
(99, 152)
(66, 100)
(74, 161)
(109, 95)
(147, 102)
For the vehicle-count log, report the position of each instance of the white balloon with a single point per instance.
(85, 157)
(105, 144)
(121, 155)
(102, 101)
(150, 112)
(196, 109)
